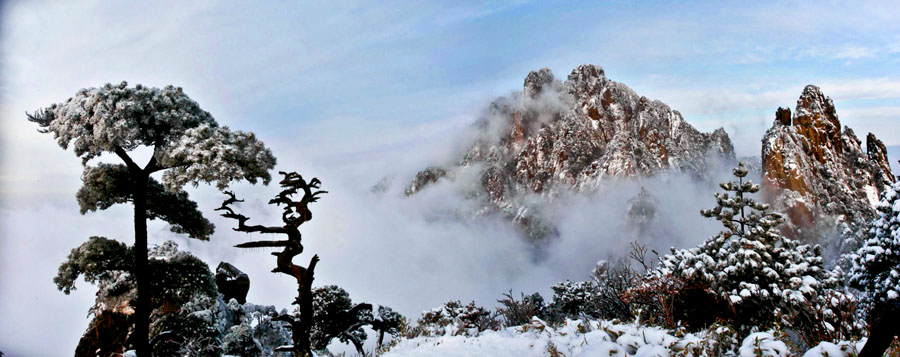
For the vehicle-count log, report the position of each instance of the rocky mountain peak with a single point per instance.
(537, 80)
(587, 73)
(818, 174)
(587, 81)
(877, 153)
(817, 120)
(575, 134)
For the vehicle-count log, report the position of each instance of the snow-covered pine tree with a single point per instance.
(764, 277)
(188, 146)
(876, 272)
(876, 265)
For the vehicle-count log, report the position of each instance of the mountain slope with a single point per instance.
(819, 175)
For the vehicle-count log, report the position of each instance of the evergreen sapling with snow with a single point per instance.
(753, 276)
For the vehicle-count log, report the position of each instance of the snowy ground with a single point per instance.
(601, 338)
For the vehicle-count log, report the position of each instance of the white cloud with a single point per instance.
(855, 52)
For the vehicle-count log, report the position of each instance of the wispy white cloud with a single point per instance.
(855, 52)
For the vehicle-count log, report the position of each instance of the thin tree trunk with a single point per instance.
(306, 312)
(740, 194)
(380, 341)
(142, 313)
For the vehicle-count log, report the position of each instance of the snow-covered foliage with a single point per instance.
(240, 342)
(190, 318)
(184, 137)
(387, 321)
(518, 312)
(840, 348)
(763, 277)
(613, 280)
(183, 334)
(613, 338)
(454, 318)
(109, 184)
(209, 153)
(609, 338)
(876, 265)
(335, 316)
(176, 276)
(575, 299)
(99, 259)
(238, 329)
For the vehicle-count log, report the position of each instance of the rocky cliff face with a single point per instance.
(819, 175)
(573, 135)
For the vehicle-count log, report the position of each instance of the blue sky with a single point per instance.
(354, 92)
(282, 68)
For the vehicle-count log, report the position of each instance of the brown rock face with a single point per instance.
(816, 120)
(818, 175)
(783, 116)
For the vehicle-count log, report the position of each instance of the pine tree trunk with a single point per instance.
(142, 313)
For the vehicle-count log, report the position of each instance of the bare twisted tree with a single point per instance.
(296, 212)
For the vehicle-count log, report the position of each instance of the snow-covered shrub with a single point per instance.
(387, 321)
(830, 315)
(260, 333)
(454, 318)
(603, 298)
(612, 284)
(671, 301)
(335, 316)
(573, 300)
(598, 338)
(176, 277)
(518, 312)
(876, 265)
(240, 342)
(750, 275)
(184, 335)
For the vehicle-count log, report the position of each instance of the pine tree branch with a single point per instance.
(127, 159)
